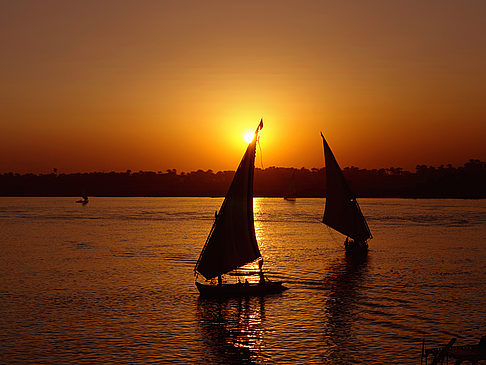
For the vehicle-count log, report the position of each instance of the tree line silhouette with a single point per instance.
(467, 181)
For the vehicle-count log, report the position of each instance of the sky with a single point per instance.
(156, 85)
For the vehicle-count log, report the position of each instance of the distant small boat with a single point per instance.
(342, 211)
(232, 243)
(84, 200)
(290, 194)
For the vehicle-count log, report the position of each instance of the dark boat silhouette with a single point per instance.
(470, 353)
(232, 243)
(83, 201)
(342, 212)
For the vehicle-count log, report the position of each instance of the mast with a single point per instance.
(342, 211)
(232, 242)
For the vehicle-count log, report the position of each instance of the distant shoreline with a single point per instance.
(427, 182)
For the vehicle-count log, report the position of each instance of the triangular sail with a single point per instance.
(232, 242)
(342, 211)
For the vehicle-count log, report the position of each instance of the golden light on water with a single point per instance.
(257, 211)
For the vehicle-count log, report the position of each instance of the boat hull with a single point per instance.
(289, 198)
(356, 251)
(241, 289)
(353, 248)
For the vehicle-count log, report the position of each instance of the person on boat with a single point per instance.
(220, 280)
(262, 277)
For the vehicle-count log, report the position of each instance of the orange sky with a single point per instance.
(156, 85)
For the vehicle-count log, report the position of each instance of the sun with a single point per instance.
(249, 136)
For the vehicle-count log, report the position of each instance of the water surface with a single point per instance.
(113, 282)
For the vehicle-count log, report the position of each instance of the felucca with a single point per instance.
(342, 212)
(232, 243)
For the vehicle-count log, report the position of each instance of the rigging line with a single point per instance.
(261, 155)
(332, 235)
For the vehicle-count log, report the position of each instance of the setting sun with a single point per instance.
(249, 136)
(171, 80)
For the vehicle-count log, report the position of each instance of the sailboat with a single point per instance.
(84, 201)
(232, 243)
(342, 212)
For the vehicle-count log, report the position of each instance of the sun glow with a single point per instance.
(249, 136)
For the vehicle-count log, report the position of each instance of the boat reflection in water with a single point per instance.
(232, 328)
(344, 282)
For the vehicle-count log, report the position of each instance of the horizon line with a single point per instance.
(173, 170)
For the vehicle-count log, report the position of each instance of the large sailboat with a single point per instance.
(232, 243)
(342, 211)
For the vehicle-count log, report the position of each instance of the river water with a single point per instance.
(112, 282)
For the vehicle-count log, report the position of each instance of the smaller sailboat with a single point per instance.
(342, 212)
(232, 243)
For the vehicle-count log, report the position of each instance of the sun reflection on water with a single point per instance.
(257, 213)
